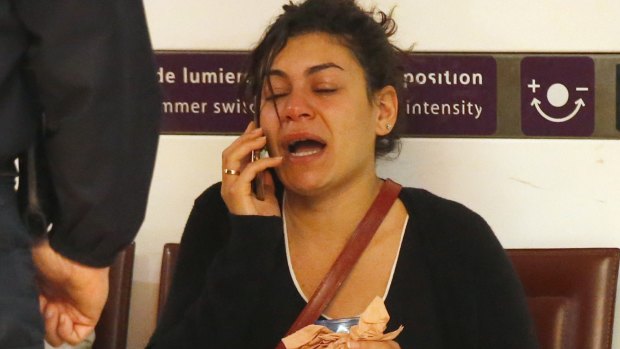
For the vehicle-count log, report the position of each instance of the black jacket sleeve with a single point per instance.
(92, 68)
(223, 264)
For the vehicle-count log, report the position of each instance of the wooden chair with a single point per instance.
(168, 265)
(111, 330)
(571, 294)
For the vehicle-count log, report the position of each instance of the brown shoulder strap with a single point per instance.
(354, 248)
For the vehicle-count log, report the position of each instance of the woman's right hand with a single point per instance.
(237, 188)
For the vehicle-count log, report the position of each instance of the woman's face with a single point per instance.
(325, 125)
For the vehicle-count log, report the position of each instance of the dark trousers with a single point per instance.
(21, 325)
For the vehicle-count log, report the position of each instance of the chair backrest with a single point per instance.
(111, 330)
(168, 264)
(571, 294)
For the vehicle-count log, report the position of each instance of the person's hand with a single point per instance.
(351, 344)
(237, 187)
(72, 295)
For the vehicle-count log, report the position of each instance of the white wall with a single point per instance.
(534, 193)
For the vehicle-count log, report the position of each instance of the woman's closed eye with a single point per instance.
(275, 96)
(325, 90)
(319, 90)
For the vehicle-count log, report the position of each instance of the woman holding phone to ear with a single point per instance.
(328, 81)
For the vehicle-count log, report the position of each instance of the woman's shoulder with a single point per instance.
(443, 219)
(211, 214)
(422, 200)
(210, 195)
(208, 215)
(452, 232)
(210, 202)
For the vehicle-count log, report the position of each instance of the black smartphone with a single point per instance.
(258, 184)
(35, 194)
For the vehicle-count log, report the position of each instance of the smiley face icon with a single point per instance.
(557, 96)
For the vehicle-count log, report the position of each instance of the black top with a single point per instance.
(453, 285)
(88, 68)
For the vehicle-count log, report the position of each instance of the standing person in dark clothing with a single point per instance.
(78, 78)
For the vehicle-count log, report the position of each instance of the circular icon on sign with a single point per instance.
(557, 95)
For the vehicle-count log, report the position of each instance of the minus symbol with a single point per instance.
(581, 89)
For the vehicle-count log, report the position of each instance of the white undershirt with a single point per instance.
(294, 277)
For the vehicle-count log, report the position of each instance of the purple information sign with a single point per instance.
(450, 95)
(557, 96)
(201, 92)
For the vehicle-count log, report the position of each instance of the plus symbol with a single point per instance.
(533, 86)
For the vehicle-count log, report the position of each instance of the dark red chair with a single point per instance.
(168, 264)
(111, 330)
(571, 294)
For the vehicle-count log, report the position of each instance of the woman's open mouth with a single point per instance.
(305, 147)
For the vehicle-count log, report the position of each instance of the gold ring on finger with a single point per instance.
(231, 172)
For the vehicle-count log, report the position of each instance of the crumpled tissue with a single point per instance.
(372, 324)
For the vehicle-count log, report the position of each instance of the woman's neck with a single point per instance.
(330, 218)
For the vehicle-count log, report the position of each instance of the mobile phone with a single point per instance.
(35, 195)
(258, 183)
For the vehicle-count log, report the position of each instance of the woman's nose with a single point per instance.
(297, 107)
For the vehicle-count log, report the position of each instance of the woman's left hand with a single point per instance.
(372, 345)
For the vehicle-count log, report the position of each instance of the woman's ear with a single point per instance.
(386, 101)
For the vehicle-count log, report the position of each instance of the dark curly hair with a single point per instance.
(365, 33)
